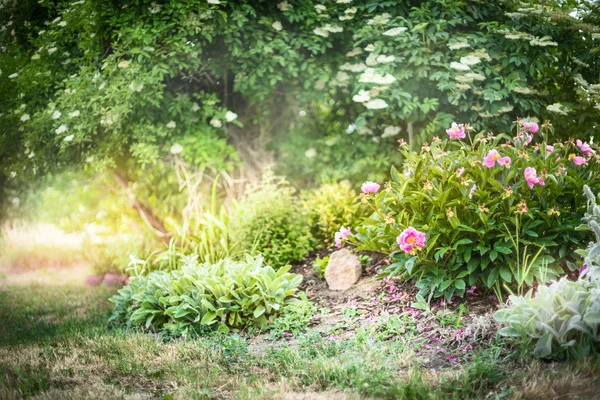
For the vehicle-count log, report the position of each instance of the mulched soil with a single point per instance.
(438, 341)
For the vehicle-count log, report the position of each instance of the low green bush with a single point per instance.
(320, 265)
(219, 296)
(111, 254)
(329, 207)
(269, 220)
(481, 200)
(562, 319)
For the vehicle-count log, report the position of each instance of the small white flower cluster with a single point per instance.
(154, 8)
(310, 153)
(171, 124)
(470, 60)
(277, 26)
(362, 96)
(124, 64)
(505, 109)
(459, 66)
(557, 108)
(74, 114)
(176, 149)
(359, 67)
(458, 44)
(136, 87)
(395, 31)
(354, 52)
(370, 75)
(284, 6)
(348, 14)
(542, 41)
(390, 131)
(376, 104)
(523, 90)
(380, 19)
(61, 129)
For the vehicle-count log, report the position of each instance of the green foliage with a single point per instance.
(111, 254)
(94, 83)
(294, 318)
(269, 220)
(329, 207)
(562, 319)
(218, 296)
(472, 217)
(320, 265)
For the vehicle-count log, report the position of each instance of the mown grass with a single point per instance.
(55, 344)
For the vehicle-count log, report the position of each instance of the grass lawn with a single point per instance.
(55, 344)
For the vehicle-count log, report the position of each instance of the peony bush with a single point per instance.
(497, 211)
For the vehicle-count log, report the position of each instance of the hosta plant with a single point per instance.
(483, 202)
(563, 318)
(219, 296)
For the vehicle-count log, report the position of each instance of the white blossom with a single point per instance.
(343, 1)
(124, 64)
(376, 104)
(62, 129)
(25, 117)
(383, 59)
(470, 60)
(277, 26)
(390, 131)
(360, 67)
(372, 76)
(52, 50)
(395, 31)
(176, 148)
(284, 6)
(557, 108)
(230, 116)
(320, 8)
(362, 97)
(214, 2)
(69, 138)
(35, 57)
(154, 8)
(56, 114)
(13, 76)
(136, 87)
(459, 66)
(333, 28)
(195, 107)
(321, 32)
(354, 52)
(171, 124)
(74, 114)
(216, 123)
(62, 24)
(458, 45)
(310, 153)
(380, 19)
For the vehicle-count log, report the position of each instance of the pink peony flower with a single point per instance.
(493, 157)
(370, 187)
(579, 160)
(549, 149)
(340, 235)
(530, 127)
(411, 240)
(531, 177)
(585, 148)
(456, 131)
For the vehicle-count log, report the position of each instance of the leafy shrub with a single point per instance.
(563, 318)
(477, 217)
(294, 318)
(197, 296)
(111, 254)
(329, 207)
(269, 220)
(320, 265)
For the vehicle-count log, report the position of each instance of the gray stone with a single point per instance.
(343, 270)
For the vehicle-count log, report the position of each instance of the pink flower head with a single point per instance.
(370, 187)
(493, 157)
(549, 149)
(456, 131)
(530, 127)
(411, 240)
(473, 189)
(579, 160)
(585, 148)
(531, 177)
(460, 171)
(340, 235)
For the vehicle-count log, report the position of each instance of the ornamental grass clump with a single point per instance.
(196, 297)
(562, 319)
(479, 206)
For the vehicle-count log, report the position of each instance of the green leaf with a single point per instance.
(260, 310)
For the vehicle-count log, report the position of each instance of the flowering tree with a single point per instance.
(125, 87)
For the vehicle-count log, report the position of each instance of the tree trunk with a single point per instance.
(151, 220)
